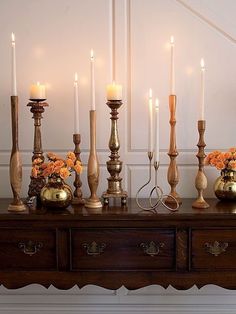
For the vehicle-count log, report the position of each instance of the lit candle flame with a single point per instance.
(202, 64)
(13, 38)
(150, 93)
(172, 40)
(76, 77)
(91, 54)
(157, 104)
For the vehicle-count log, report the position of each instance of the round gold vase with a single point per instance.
(56, 194)
(225, 186)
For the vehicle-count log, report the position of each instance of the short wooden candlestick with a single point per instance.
(78, 199)
(93, 167)
(201, 180)
(37, 108)
(173, 173)
(114, 165)
(15, 161)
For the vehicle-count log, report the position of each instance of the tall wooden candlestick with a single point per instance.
(15, 161)
(37, 108)
(201, 180)
(173, 173)
(93, 166)
(78, 199)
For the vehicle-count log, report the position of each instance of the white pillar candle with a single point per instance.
(157, 129)
(37, 92)
(172, 67)
(150, 133)
(92, 80)
(13, 56)
(76, 106)
(202, 93)
(114, 91)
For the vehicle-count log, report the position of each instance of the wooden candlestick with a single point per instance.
(37, 108)
(114, 165)
(93, 167)
(173, 173)
(78, 199)
(201, 180)
(15, 161)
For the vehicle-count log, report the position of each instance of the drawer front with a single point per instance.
(109, 249)
(214, 249)
(27, 249)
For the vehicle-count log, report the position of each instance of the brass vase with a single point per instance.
(56, 194)
(225, 186)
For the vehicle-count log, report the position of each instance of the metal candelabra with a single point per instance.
(160, 196)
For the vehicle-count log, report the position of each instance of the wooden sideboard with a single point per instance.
(118, 246)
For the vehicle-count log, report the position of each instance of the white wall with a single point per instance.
(130, 39)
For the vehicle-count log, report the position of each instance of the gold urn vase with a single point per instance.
(56, 194)
(225, 185)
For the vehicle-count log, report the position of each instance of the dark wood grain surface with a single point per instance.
(140, 248)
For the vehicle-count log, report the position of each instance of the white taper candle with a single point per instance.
(76, 105)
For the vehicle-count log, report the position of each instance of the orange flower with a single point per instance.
(58, 164)
(64, 173)
(232, 149)
(78, 167)
(220, 165)
(71, 156)
(52, 156)
(69, 163)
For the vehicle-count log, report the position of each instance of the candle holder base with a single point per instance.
(78, 201)
(122, 195)
(20, 207)
(93, 203)
(172, 198)
(200, 203)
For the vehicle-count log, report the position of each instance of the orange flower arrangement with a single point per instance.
(56, 167)
(222, 160)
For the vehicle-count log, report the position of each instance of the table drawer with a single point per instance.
(136, 249)
(214, 249)
(27, 249)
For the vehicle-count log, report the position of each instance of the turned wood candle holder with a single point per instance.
(114, 165)
(15, 161)
(78, 199)
(37, 108)
(173, 173)
(93, 167)
(201, 180)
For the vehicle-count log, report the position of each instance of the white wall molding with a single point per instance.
(207, 21)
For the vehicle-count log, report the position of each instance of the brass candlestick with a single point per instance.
(160, 196)
(15, 161)
(93, 166)
(173, 173)
(114, 165)
(78, 199)
(201, 180)
(37, 108)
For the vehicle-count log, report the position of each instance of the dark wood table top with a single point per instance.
(217, 210)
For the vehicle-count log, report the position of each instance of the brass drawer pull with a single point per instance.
(94, 248)
(152, 248)
(216, 248)
(30, 247)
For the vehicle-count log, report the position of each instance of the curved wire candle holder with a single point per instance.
(160, 196)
